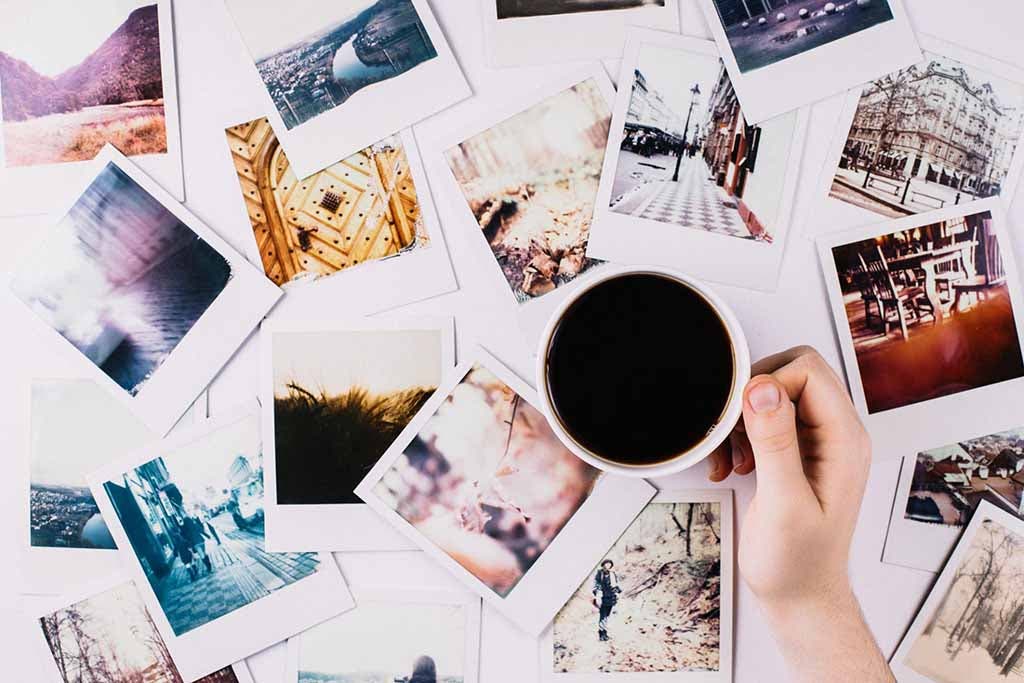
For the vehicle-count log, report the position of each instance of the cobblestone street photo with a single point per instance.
(194, 519)
(687, 156)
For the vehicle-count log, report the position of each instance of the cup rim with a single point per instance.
(726, 422)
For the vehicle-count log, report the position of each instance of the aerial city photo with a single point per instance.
(315, 58)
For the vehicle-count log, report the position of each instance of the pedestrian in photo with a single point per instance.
(424, 671)
(606, 595)
(195, 537)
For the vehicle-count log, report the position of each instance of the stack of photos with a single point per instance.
(335, 399)
(361, 209)
(338, 76)
(110, 636)
(927, 308)
(392, 635)
(659, 602)
(529, 180)
(940, 489)
(783, 55)
(75, 427)
(942, 132)
(971, 627)
(520, 32)
(687, 181)
(71, 84)
(137, 285)
(480, 481)
(187, 515)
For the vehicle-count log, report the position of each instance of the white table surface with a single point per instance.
(210, 81)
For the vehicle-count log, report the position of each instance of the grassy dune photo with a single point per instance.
(63, 100)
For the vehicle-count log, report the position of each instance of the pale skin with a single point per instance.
(802, 434)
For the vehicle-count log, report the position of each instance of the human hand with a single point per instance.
(812, 455)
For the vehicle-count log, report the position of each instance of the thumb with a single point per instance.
(769, 418)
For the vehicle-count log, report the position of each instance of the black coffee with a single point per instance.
(639, 369)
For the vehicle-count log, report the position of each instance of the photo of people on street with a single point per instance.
(340, 400)
(364, 208)
(687, 156)
(122, 278)
(653, 603)
(910, 296)
(530, 183)
(314, 56)
(487, 481)
(386, 641)
(763, 32)
(939, 133)
(194, 519)
(536, 8)
(972, 626)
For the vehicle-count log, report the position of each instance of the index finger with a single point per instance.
(811, 383)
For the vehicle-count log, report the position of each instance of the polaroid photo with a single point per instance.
(524, 32)
(393, 634)
(525, 179)
(940, 488)
(782, 57)
(928, 314)
(334, 398)
(338, 77)
(687, 183)
(945, 131)
(969, 629)
(659, 605)
(108, 634)
(480, 482)
(60, 102)
(364, 229)
(187, 516)
(135, 285)
(72, 427)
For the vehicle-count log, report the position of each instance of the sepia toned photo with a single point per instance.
(763, 32)
(929, 309)
(939, 133)
(194, 520)
(361, 209)
(687, 156)
(122, 278)
(72, 83)
(653, 603)
(971, 628)
(487, 481)
(386, 641)
(75, 426)
(530, 183)
(313, 57)
(535, 8)
(340, 400)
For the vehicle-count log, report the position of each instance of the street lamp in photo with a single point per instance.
(694, 93)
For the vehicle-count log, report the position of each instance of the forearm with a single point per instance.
(828, 640)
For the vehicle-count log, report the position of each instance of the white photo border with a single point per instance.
(839, 215)
(211, 341)
(532, 315)
(404, 595)
(369, 114)
(724, 498)
(603, 516)
(981, 410)
(548, 39)
(243, 631)
(638, 241)
(27, 190)
(820, 72)
(348, 527)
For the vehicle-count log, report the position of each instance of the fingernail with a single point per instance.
(738, 458)
(713, 473)
(764, 398)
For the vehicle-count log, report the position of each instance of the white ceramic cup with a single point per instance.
(733, 409)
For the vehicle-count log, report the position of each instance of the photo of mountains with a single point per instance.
(113, 94)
